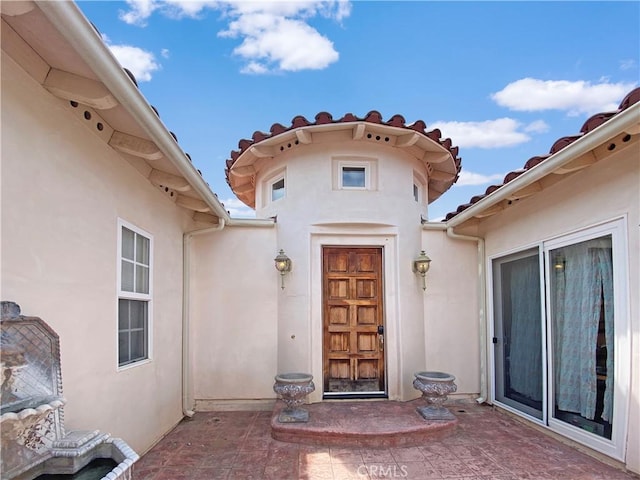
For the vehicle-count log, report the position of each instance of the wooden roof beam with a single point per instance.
(160, 178)
(136, 146)
(358, 131)
(192, 203)
(245, 171)
(526, 191)
(304, 136)
(407, 140)
(262, 151)
(80, 89)
(579, 163)
(433, 157)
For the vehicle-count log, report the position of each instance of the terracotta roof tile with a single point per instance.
(323, 118)
(594, 121)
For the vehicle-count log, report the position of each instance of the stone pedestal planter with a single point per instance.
(293, 388)
(435, 387)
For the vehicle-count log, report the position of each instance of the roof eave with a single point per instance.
(73, 25)
(439, 158)
(626, 121)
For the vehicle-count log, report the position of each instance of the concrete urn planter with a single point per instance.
(293, 388)
(435, 387)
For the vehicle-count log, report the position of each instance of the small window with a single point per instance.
(418, 187)
(354, 173)
(134, 294)
(277, 190)
(354, 177)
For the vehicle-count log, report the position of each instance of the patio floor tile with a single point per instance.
(487, 444)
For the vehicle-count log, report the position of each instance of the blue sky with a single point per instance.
(503, 80)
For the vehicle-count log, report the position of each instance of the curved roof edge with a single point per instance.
(437, 185)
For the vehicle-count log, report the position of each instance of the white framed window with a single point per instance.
(353, 176)
(354, 173)
(418, 188)
(135, 262)
(277, 189)
(273, 187)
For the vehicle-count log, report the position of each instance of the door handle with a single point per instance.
(380, 329)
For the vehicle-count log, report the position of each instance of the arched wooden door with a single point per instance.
(353, 322)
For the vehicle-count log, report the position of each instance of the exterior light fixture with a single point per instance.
(421, 265)
(558, 263)
(283, 265)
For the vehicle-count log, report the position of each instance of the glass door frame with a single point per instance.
(618, 232)
(493, 311)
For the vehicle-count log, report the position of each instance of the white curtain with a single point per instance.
(525, 366)
(583, 292)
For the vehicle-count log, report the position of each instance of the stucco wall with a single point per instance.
(452, 311)
(63, 191)
(234, 334)
(606, 191)
(433, 330)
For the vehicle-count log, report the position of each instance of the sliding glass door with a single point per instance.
(560, 335)
(582, 326)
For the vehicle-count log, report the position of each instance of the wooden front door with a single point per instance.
(353, 321)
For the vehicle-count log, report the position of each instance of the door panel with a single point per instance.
(518, 333)
(353, 354)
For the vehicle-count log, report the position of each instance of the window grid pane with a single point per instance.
(142, 279)
(142, 249)
(353, 177)
(127, 276)
(277, 190)
(133, 331)
(128, 243)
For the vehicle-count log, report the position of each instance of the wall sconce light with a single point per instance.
(421, 265)
(558, 263)
(283, 265)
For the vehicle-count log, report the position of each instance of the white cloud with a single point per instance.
(470, 178)
(140, 11)
(576, 98)
(503, 132)
(276, 35)
(538, 126)
(237, 209)
(628, 64)
(165, 53)
(278, 43)
(138, 61)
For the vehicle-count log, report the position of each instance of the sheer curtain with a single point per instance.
(582, 291)
(525, 366)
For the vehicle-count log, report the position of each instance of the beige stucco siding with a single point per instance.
(234, 334)
(63, 191)
(606, 191)
(452, 311)
(245, 328)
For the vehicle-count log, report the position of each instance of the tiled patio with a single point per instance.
(486, 444)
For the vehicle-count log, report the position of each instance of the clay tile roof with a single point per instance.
(396, 121)
(322, 118)
(512, 176)
(373, 117)
(299, 121)
(420, 126)
(594, 121)
(277, 129)
(349, 117)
